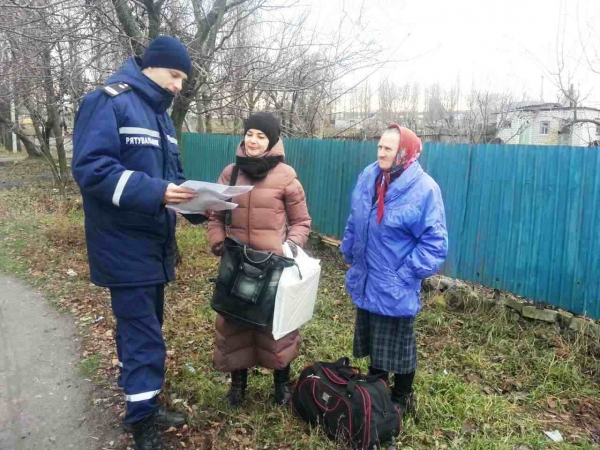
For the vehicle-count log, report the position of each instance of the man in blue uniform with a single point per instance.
(126, 163)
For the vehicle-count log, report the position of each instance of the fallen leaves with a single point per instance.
(451, 342)
(473, 378)
(468, 428)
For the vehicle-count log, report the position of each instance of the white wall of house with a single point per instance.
(542, 128)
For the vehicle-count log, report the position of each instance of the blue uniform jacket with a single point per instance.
(390, 259)
(125, 154)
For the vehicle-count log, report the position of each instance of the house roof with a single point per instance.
(535, 106)
(532, 106)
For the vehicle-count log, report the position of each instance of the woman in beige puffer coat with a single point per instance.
(272, 213)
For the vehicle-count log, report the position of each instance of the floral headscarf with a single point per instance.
(409, 151)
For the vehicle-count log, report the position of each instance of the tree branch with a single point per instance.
(573, 122)
(30, 146)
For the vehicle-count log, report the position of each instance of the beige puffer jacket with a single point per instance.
(261, 220)
(274, 211)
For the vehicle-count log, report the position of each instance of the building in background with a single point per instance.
(549, 124)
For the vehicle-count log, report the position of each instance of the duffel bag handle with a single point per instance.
(344, 362)
(345, 369)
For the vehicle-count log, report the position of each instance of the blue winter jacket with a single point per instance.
(390, 259)
(125, 155)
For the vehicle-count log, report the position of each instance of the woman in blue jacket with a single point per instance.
(395, 237)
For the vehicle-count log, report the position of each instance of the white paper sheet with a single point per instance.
(219, 191)
(211, 196)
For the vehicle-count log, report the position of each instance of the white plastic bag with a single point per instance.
(296, 296)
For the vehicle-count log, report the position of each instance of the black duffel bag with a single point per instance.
(247, 284)
(353, 408)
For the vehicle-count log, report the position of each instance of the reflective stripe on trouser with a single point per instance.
(140, 347)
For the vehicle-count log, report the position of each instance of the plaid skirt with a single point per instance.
(389, 341)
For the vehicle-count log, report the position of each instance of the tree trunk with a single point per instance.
(30, 147)
(221, 113)
(206, 100)
(237, 124)
(130, 26)
(200, 128)
(153, 18)
(62, 174)
(38, 126)
(251, 104)
(47, 131)
(182, 103)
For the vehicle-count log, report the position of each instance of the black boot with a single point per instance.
(145, 435)
(382, 374)
(406, 402)
(237, 392)
(283, 387)
(403, 396)
(167, 419)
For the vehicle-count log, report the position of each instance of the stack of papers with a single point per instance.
(211, 196)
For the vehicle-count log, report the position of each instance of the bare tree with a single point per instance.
(488, 114)
(247, 55)
(570, 62)
(440, 108)
(34, 33)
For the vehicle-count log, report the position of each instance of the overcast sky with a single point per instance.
(501, 45)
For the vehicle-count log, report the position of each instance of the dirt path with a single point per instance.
(44, 403)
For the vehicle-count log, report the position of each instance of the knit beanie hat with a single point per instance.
(168, 53)
(266, 123)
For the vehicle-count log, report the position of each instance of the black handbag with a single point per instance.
(247, 284)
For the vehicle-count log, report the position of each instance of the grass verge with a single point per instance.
(485, 381)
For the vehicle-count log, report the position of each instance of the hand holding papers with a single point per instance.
(210, 196)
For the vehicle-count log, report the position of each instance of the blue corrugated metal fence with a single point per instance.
(521, 219)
